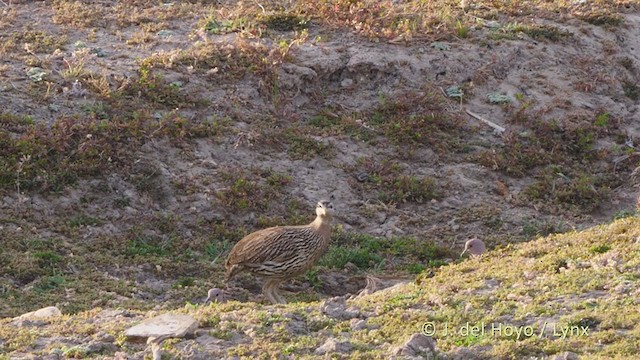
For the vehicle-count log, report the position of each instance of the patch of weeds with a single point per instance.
(183, 282)
(338, 257)
(333, 124)
(97, 110)
(602, 120)
(276, 179)
(146, 246)
(77, 13)
(545, 143)
(284, 22)
(47, 259)
(559, 264)
(221, 334)
(628, 64)
(323, 121)
(252, 189)
(631, 90)
(413, 118)
(37, 41)
(386, 180)
(542, 228)
(600, 249)
(81, 220)
(152, 87)
(461, 30)
(47, 157)
(311, 277)
(165, 222)
(268, 319)
(122, 202)
(219, 61)
(411, 189)
(563, 187)
(470, 339)
(215, 249)
(416, 268)
(605, 19)
(535, 31)
(49, 283)
(222, 26)
(212, 321)
(586, 322)
(304, 147)
(367, 251)
(621, 214)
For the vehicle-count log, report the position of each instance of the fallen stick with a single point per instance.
(490, 123)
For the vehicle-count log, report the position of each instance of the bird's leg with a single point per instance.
(268, 291)
(276, 293)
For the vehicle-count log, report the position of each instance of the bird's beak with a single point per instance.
(207, 300)
(463, 251)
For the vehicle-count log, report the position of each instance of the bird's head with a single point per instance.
(215, 295)
(324, 208)
(475, 247)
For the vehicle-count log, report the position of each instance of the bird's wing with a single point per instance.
(274, 244)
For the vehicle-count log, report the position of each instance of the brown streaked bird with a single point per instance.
(474, 246)
(282, 252)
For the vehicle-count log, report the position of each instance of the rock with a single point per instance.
(96, 347)
(567, 355)
(44, 313)
(333, 346)
(358, 324)
(165, 325)
(104, 337)
(472, 353)
(346, 83)
(336, 307)
(417, 345)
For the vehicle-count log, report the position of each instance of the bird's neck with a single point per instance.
(321, 224)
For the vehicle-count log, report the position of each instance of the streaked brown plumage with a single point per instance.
(282, 252)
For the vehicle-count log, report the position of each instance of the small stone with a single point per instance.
(418, 344)
(567, 355)
(358, 324)
(104, 337)
(334, 346)
(346, 83)
(172, 325)
(336, 307)
(99, 347)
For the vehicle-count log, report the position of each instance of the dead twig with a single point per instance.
(497, 127)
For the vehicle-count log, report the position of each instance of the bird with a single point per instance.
(215, 295)
(474, 246)
(282, 252)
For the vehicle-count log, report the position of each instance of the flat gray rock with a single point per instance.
(333, 346)
(171, 325)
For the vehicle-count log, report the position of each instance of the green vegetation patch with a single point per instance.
(252, 189)
(365, 252)
(385, 181)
